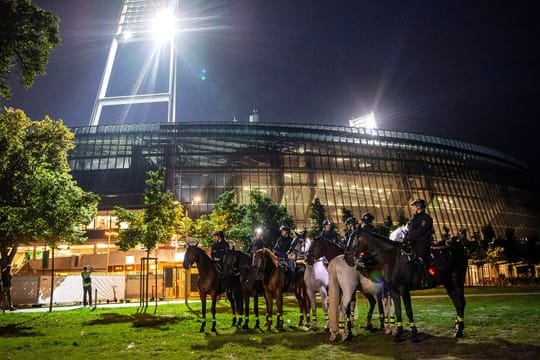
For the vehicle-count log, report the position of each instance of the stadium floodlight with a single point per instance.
(366, 121)
(164, 25)
(142, 21)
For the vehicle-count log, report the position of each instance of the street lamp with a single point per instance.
(109, 234)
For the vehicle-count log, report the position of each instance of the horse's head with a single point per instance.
(262, 261)
(191, 256)
(316, 250)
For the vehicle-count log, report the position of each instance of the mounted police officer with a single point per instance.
(258, 242)
(328, 233)
(367, 222)
(282, 246)
(420, 237)
(219, 248)
(299, 246)
(351, 225)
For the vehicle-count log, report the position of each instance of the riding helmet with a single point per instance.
(419, 202)
(326, 222)
(367, 218)
(219, 234)
(284, 227)
(351, 221)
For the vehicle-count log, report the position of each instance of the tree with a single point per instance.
(28, 34)
(59, 207)
(318, 215)
(38, 198)
(154, 225)
(260, 212)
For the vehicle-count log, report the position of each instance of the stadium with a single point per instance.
(466, 186)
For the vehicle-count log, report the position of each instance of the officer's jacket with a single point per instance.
(219, 248)
(330, 236)
(283, 245)
(420, 228)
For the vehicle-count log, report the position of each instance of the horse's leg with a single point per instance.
(333, 301)
(245, 326)
(256, 310)
(202, 296)
(279, 305)
(298, 296)
(397, 306)
(269, 303)
(323, 291)
(372, 302)
(213, 309)
(348, 295)
(232, 301)
(307, 303)
(380, 307)
(313, 305)
(456, 292)
(406, 295)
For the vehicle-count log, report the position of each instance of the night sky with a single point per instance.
(464, 70)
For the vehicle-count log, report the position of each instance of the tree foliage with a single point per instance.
(318, 215)
(28, 34)
(39, 200)
(158, 221)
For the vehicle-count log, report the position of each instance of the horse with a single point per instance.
(235, 261)
(211, 283)
(321, 247)
(344, 280)
(267, 269)
(316, 279)
(297, 255)
(400, 274)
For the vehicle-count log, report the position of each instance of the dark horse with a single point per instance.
(237, 263)
(274, 279)
(321, 247)
(401, 276)
(212, 283)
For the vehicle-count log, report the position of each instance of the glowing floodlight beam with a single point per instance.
(365, 121)
(259, 230)
(164, 26)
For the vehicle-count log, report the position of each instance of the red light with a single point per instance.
(432, 271)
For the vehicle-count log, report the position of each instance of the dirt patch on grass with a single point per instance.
(137, 320)
(12, 330)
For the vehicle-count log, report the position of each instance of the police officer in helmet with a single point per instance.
(420, 236)
(219, 248)
(328, 233)
(367, 222)
(351, 225)
(283, 244)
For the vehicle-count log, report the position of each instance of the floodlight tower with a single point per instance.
(144, 21)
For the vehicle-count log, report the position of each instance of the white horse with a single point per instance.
(316, 279)
(344, 280)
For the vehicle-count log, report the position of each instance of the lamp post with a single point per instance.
(109, 234)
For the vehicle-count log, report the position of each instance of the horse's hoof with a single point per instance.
(347, 337)
(233, 322)
(459, 329)
(333, 336)
(397, 335)
(369, 327)
(245, 326)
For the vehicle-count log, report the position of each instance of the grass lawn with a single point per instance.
(496, 327)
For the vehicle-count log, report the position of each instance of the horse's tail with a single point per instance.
(334, 298)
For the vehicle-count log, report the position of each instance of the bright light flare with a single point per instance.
(365, 121)
(164, 26)
(259, 230)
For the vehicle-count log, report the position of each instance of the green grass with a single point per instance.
(497, 327)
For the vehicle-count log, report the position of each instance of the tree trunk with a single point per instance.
(52, 278)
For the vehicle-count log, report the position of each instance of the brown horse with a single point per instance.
(274, 278)
(211, 284)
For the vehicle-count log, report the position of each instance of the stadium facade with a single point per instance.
(381, 171)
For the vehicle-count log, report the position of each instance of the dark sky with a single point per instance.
(466, 70)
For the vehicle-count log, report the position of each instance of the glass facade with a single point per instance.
(381, 171)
